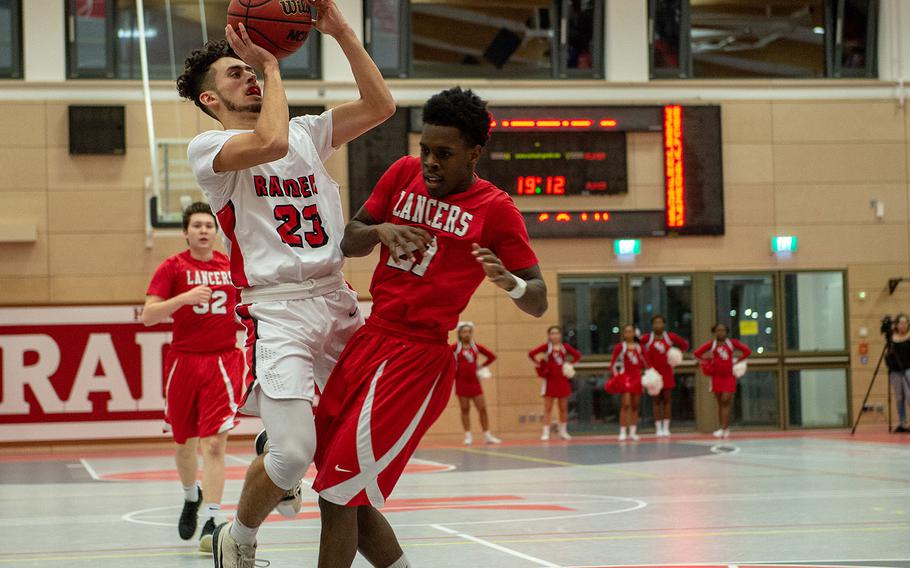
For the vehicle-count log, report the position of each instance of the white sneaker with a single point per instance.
(666, 433)
(634, 437)
(622, 436)
(565, 435)
(546, 434)
(468, 439)
(227, 553)
(719, 433)
(659, 431)
(726, 433)
(291, 502)
(491, 439)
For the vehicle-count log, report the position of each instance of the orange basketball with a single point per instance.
(279, 26)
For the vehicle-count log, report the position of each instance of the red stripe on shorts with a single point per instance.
(252, 334)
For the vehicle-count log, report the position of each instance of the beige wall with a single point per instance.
(807, 168)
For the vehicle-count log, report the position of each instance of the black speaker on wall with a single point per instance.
(97, 130)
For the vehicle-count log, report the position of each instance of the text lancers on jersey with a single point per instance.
(304, 186)
(208, 278)
(430, 212)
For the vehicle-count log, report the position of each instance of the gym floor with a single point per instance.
(819, 499)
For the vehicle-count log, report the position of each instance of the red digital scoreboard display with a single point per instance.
(555, 156)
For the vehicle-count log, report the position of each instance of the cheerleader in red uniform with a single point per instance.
(657, 345)
(467, 385)
(550, 359)
(629, 362)
(718, 358)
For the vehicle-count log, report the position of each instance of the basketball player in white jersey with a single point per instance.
(282, 221)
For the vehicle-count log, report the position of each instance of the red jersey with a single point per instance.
(656, 350)
(630, 360)
(555, 358)
(203, 328)
(429, 294)
(466, 359)
(723, 355)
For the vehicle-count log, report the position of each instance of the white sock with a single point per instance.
(623, 431)
(211, 511)
(400, 563)
(546, 429)
(633, 430)
(563, 427)
(666, 422)
(191, 493)
(658, 427)
(242, 533)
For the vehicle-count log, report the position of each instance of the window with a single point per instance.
(590, 313)
(745, 304)
(670, 296)
(756, 400)
(763, 38)
(496, 39)
(818, 398)
(10, 40)
(814, 303)
(104, 38)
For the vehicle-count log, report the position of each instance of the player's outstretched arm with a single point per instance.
(158, 309)
(375, 104)
(363, 233)
(269, 139)
(527, 288)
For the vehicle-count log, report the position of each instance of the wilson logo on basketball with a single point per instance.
(294, 7)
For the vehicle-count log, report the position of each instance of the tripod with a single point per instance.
(878, 366)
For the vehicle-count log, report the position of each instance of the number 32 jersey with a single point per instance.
(281, 221)
(205, 328)
(430, 293)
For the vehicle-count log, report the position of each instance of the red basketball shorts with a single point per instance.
(384, 394)
(201, 392)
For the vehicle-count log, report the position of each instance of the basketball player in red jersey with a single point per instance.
(204, 368)
(442, 231)
(657, 345)
(629, 362)
(281, 216)
(550, 359)
(467, 383)
(718, 357)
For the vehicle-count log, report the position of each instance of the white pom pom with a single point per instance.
(568, 370)
(652, 381)
(739, 369)
(674, 356)
(484, 373)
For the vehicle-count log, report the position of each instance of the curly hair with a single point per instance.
(197, 75)
(198, 207)
(462, 109)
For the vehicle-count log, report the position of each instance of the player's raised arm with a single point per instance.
(525, 286)
(363, 233)
(269, 139)
(375, 104)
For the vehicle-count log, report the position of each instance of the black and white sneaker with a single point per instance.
(228, 553)
(186, 526)
(291, 502)
(205, 537)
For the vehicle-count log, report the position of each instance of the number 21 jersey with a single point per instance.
(282, 221)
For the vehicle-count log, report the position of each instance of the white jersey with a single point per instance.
(282, 221)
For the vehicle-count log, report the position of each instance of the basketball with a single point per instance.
(279, 26)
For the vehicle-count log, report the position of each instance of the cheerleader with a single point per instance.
(657, 345)
(467, 385)
(628, 363)
(718, 358)
(554, 359)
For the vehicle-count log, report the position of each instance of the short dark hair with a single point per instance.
(193, 209)
(658, 317)
(197, 76)
(718, 324)
(552, 327)
(462, 109)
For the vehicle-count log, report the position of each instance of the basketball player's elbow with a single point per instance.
(275, 148)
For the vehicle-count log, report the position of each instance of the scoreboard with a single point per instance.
(576, 157)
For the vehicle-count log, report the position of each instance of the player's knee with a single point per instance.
(286, 464)
(213, 448)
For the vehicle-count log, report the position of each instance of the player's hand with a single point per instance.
(403, 240)
(493, 268)
(330, 20)
(253, 55)
(197, 296)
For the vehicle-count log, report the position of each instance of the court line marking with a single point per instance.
(495, 546)
(91, 471)
(721, 449)
(560, 462)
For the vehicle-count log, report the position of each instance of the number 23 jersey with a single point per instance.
(430, 293)
(281, 221)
